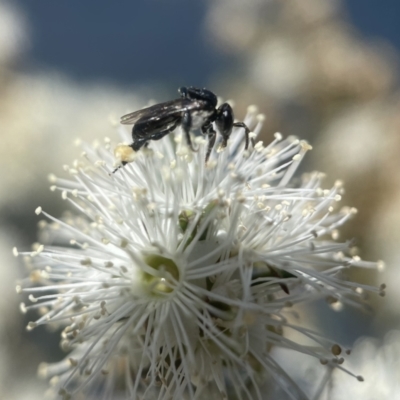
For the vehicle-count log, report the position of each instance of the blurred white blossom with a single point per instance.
(13, 34)
(43, 115)
(379, 363)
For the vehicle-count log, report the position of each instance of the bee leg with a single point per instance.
(186, 125)
(210, 132)
(247, 132)
(224, 122)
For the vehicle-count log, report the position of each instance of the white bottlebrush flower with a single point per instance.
(174, 279)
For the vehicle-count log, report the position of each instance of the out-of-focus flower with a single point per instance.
(13, 36)
(43, 115)
(380, 365)
(179, 275)
(302, 53)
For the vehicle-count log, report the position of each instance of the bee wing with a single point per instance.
(160, 111)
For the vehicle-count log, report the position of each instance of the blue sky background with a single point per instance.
(151, 41)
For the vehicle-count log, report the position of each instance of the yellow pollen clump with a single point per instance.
(124, 153)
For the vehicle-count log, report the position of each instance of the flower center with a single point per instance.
(164, 281)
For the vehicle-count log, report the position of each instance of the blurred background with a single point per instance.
(324, 70)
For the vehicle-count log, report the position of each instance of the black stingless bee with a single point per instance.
(196, 108)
